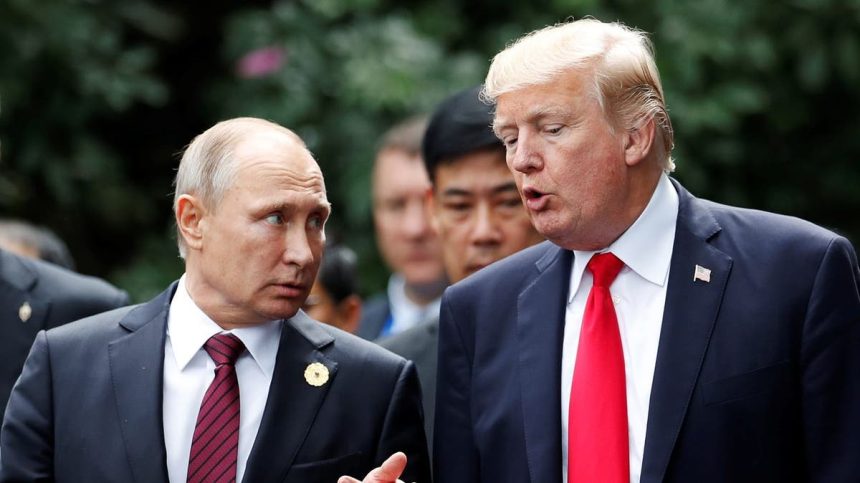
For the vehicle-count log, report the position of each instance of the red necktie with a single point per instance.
(216, 435)
(597, 450)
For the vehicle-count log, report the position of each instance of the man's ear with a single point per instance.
(189, 219)
(432, 208)
(638, 142)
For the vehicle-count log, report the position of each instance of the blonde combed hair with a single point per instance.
(620, 60)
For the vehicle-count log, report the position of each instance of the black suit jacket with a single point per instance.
(420, 344)
(757, 376)
(107, 370)
(54, 295)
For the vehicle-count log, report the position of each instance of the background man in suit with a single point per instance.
(404, 237)
(474, 208)
(139, 398)
(36, 295)
(656, 337)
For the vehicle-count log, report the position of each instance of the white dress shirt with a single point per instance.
(405, 313)
(639, 296)
(188, 370)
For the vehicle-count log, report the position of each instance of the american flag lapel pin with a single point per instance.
(702, 273)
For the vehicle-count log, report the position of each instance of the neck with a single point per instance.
(424, 293)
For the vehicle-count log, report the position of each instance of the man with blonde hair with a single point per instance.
(222, 377)
(656, 337)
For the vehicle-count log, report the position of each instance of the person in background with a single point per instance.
(334, 298)
(404, 237)
(156, 392)
(37, 295)
(475, 210)
(33, 241)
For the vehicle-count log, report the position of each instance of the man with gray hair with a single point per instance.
(221, 377)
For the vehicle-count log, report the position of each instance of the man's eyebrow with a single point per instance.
(532, 115)
(505, 188)
(498, 126)
(456, 192)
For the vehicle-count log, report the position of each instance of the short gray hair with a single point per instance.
(208, 168)
(626, 81)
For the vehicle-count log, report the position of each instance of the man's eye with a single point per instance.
(554, 129)
(275, 219)
(512, 202)
(459, 207)
(395, 205)
(316, 222)
(510, 142)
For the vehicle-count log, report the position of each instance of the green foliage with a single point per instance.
(97, 97)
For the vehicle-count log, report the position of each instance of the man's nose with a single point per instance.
(297, 249)
(484, 230)
(526, 156)
(415, 222)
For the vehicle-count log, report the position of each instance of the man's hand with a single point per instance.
(389, 472)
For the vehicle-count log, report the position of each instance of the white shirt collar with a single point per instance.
(646, 247)
(188, 328)
(405, 312)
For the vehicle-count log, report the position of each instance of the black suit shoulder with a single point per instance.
(353, 344)
(768, 246)
(94, 330)
(72, 295)
(789, 230)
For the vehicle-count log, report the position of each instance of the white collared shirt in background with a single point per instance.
(405, 313)
(188, 370)
(639, 296)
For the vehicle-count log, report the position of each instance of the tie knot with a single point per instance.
(604, 267)
(224, 348)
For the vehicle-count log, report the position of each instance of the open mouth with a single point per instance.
(532, 194)
(535, 200)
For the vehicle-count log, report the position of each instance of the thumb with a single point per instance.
(390, 470)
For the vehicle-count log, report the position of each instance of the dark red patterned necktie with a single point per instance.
(216, 435)
(598, 448)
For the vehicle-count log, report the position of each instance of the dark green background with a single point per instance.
(99, 97)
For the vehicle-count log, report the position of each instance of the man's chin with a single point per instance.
(279, 311)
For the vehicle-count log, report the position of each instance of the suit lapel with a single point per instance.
(690, 312)
(540, 331)
(137, 367)
(292, 403)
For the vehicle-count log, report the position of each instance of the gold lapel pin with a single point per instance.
(25, 311)
(702, 273)
(316, 374)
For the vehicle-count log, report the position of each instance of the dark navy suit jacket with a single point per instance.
(88, 406)
(757, 376)
(54, 295)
